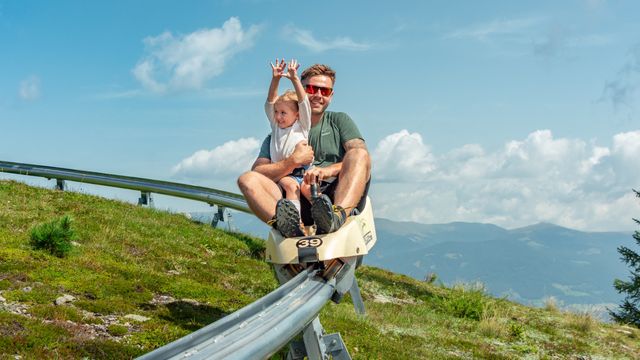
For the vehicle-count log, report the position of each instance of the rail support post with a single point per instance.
(317, 346)
(145, 199)
(218, 216)
(61, 184)
(222, 214)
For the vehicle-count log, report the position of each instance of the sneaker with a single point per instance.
(327, 217)
(288, 219)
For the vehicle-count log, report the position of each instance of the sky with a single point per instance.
(510, 113)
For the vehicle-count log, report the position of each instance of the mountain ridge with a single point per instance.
(527, 264)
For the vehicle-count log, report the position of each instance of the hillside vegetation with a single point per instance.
(137, 278)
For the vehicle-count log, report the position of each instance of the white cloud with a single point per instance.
(30, 88)
(227, 160)
(179, 62)
(306, 39)
(403, 156)
(569, 182)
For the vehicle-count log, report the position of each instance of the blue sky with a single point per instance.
(503, 112)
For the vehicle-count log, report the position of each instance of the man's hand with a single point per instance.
(278, 68)
(302, 154)
(316, 174)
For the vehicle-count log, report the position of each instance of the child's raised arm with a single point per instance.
(278, 72)
(292, 74)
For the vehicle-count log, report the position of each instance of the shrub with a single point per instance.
(54, 236)
(465, 302)
(117, 330)
(551, 304)
(516, 330)
(430, 278)
(583, 322)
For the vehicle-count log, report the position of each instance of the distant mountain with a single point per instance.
(526, 264)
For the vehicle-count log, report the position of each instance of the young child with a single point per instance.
(290, 118)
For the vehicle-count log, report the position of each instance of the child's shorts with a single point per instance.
(298, 174)
(297, 178)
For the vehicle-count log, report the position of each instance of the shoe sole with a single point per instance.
(322, 214)
(288, 219)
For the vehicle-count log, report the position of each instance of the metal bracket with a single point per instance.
(61, 184)
(145, 199)
(317, 346)
(335, 347)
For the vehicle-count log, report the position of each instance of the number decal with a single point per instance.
(309, 242)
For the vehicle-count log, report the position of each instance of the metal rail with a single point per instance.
(199, 193)
(258, 330)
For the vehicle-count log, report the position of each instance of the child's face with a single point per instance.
(285, 113)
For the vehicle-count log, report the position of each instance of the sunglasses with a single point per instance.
(312, 89)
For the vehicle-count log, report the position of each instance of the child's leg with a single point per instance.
(290, 187)
(305, 190)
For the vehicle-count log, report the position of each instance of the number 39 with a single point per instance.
(312, 242)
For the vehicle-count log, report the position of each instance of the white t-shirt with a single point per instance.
(284, 141)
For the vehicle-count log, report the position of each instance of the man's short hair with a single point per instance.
(318, 69)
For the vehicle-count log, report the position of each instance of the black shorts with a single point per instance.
(328, 189)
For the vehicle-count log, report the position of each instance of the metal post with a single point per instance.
(61, 184)
(218, 216)
(229, 221)
(356, 297)
(312, 336)
(145, 199)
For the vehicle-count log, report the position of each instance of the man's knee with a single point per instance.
(248, 181)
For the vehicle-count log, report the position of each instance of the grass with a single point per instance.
(183, 276)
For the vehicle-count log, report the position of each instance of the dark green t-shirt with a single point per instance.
(327, 138)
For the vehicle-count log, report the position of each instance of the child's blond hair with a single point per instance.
(288, 95)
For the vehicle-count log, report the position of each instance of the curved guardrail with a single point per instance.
(210, 196)
(258, 330)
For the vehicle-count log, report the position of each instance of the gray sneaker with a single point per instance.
(327, 217)
(288, 219)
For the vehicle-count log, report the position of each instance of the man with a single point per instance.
(342, 166)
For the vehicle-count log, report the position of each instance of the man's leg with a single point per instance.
(330, 216)
(356, 170)
(261, 194)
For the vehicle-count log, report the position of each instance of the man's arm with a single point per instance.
(318, 174)
(274, 171)
(355, 144)
(303, 154)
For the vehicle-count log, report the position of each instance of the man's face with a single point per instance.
(319, 102)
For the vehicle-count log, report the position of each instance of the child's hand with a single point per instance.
(292, 70)
(278, 68)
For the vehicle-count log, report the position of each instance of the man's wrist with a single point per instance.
(292, 163)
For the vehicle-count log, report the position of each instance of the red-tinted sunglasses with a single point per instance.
(312, 89)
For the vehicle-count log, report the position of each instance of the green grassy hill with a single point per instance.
(137, 278)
